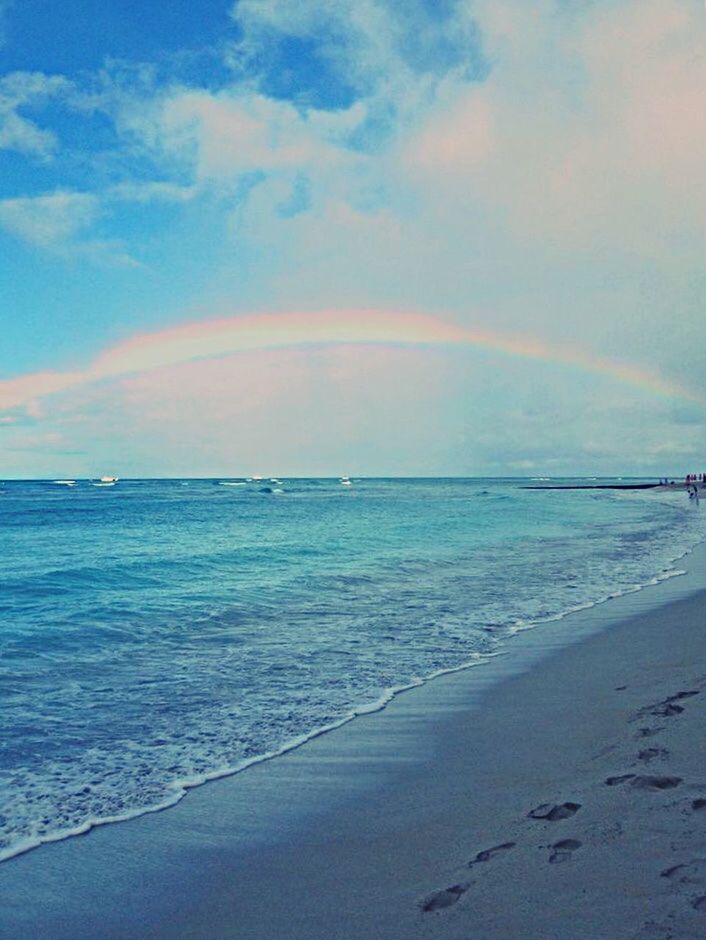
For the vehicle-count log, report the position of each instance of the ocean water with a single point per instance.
(156, 634)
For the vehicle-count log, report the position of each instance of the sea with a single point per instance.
(155, 634)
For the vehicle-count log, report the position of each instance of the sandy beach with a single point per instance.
(556, 792)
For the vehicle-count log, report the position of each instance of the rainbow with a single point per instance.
(238, 334)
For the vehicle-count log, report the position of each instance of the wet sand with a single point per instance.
(556, 792)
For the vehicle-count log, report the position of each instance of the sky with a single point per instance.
(380, 237)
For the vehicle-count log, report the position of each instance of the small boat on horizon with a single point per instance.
(106, 481)
(345, 481)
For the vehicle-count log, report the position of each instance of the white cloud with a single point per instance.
(392, 61)
(49, 221)
(154, 191)
(18, 132)
(379, 48)
(227, 135)
(61, 223)
(590, 129)
(564, 191)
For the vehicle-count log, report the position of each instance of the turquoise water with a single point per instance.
(154, 634)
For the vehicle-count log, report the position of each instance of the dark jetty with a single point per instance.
(596, 486)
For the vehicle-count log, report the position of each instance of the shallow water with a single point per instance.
(157, 633)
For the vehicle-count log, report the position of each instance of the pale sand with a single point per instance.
(567, 801)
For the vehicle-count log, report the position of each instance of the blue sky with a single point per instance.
(535, 173)
(77, 37)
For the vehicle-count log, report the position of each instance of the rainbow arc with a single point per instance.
(238, 334)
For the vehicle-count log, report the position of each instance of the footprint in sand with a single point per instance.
(648, 732)
(487, 854)
(563, 850)
(621, 778)
(449, 896)
(680, 695)
(667, 710)
(652, 753)
(644, 782)
(688, 873)
(649, 782)
(698, 804)
(444, 898)
(699, 904)
(668, 707)
(554, 811)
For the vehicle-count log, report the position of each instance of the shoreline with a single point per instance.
(394, 758)
(181, 788)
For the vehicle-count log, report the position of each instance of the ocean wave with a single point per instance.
(250, 635)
